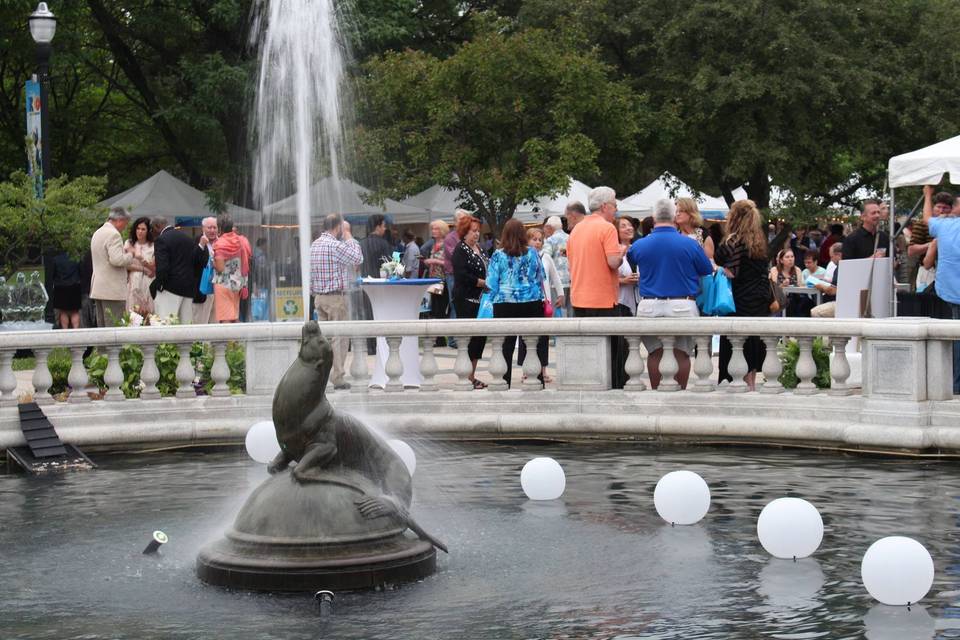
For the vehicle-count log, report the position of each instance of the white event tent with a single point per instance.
(711, 207)
(343, 196)
(164, 195)
(920, 167)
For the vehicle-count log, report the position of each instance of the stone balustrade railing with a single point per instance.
(902, 358)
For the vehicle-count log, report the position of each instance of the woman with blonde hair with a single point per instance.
(432, 267)
(690, 224)
(743, 256)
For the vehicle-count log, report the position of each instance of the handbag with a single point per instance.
(486, 306)
(719, 301)
(778, 299)
(206, 280)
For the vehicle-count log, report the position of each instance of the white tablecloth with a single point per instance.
(397, 300)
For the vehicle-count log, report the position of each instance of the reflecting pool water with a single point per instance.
(598, 563)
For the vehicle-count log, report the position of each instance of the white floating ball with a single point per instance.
(790, 528)
(262, 443)
(406, 454)
(543, 479)
(897, 570)
(682, 497)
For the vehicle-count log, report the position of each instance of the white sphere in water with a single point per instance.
(682, 497)
(262, 443)
(406, 454)
(790, 528)
(897, 570)
(543, 479)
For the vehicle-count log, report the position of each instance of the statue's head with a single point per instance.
(316, 350)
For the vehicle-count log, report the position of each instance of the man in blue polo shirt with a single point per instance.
(670, 266)
(946, 231)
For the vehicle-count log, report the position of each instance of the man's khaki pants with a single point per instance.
(203, 311)
(333, 307)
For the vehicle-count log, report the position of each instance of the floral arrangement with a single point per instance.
(392, 268)
(133, 318)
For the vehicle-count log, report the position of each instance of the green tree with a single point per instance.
(504, 120)
(810, 95)
(64, 219)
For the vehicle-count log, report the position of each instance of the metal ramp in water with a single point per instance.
(44, 453)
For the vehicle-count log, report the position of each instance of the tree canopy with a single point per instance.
(513, 95)
(505, 119)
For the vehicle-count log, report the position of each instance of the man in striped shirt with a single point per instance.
(330, 257)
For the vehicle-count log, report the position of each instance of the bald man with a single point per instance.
(203, 304)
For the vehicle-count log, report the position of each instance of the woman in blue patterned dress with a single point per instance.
(515, 279)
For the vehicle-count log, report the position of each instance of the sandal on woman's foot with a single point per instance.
(479, 385)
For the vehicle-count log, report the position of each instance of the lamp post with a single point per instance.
(43, 26)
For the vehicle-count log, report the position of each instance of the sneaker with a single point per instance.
(342, 386)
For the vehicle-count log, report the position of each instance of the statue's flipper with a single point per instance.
(378, 506)
(278, 464)
(318, 454)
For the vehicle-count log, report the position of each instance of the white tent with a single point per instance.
(345, 197)
(164, 195)
(926, 166)
(920, 167)
(711, 207)
(440, 201)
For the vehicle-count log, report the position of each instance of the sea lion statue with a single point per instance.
(329, 446)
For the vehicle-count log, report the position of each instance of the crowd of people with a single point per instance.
(151, 269)
(594, 263)
(589, 263)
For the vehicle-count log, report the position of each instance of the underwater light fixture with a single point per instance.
(324, 601)
(159, 538)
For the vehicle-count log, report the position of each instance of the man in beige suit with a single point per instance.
(108, 288)
(203, 311)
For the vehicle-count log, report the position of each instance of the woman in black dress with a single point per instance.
(469, 273)
(743, 255)
(66, 290)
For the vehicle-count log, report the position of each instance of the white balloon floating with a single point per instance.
(790, 528)
(682, 497)
(406, 454)
(897, 571)
(543, 479)
(262, 443)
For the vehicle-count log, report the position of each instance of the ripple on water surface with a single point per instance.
(597, 563)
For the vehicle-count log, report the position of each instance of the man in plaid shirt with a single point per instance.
(330, 255)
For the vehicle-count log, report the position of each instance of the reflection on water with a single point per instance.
(597, 563)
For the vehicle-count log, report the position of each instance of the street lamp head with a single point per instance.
(43, 24)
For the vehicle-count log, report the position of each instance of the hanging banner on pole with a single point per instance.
(34, 136)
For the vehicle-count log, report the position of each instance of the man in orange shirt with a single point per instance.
(594, 255)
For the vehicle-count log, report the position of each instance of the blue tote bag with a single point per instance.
(486, 306)
(717, 295)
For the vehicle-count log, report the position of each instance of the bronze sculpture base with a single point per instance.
(308, 537)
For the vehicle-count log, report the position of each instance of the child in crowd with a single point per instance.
(810, 261)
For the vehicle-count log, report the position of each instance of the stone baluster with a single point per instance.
(359, 373)
(185, 372)
(806, 368)
(428, 365)
(42, 380)
(462, 366)
(394, 366)
(77, 377)
(634, 365)
(113, 376)
(669, 367)
(839, 367)
(531, 366)
(220, 371)
(703, 365)
(771, 367)
(8, 381)
(738, 366)
(149, 374)
(498, 365)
